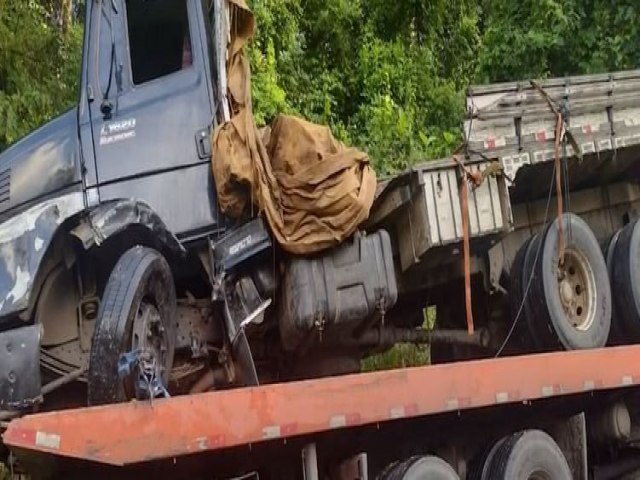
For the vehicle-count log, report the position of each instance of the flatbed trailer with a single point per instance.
(452, 410)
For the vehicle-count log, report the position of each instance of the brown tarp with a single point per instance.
(313, 191)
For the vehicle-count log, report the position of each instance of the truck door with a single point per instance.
(152, 109)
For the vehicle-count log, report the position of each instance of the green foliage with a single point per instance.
(540, 38)
(388, 77)
(39, 67)
(400, 356)
(382, 79)
(403, 355)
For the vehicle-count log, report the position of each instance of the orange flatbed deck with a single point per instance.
(139, 431)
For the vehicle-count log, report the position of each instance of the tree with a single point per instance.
(39, 66)
(387, 80)
(387, 76)
(390, 76)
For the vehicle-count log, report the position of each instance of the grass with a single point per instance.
(400, 356)
(403, 355)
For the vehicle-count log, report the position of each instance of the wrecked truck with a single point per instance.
(125, 271)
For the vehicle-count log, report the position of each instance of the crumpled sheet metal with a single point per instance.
(24, 239)
(110, 218)
(313, 191)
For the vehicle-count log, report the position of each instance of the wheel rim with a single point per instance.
(149, 337)
(577, 290)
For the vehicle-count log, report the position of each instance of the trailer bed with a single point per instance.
(138, 432)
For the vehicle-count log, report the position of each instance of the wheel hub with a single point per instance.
(576, 287)
(148, 337)
(566, 292)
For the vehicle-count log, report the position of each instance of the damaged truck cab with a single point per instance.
(128, 165)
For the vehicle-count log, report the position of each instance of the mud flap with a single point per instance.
(20, 384)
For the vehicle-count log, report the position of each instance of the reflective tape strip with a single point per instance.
(338, 421)
(457, 403)
(627, 380)
(605, 144)
(48, 440)
(541, 136)
(547, 391)
(354, 419)
(403, 411)
(493, 143)
(271, 432)
(397, 412)
(206, 443)
(502, 397)
(588, 147)
(452, 404)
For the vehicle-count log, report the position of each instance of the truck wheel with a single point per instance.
(616, 334)
(479, 469)
(625, 281)
(420, 468)
(573, 300)
(528, 455)
(516, 292)
(137, 312)
(521, 272)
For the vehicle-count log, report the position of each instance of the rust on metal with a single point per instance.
(129, 433)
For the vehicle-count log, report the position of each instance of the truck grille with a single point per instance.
(5, 185)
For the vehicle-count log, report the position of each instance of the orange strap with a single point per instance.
(558, 133)
(464, 199)
(475, 178)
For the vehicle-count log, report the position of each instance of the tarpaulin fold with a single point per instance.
(313, 190)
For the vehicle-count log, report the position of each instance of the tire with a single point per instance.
(616, 334)
(480, 466)
(524, 454)
(420, 468)
(516, 294)
(625, 281)
(573, 302)
(539, 330)
(141, 281)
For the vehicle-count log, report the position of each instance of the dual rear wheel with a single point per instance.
(525, 455)
(565, 304)
(419, 468)
(623, 262)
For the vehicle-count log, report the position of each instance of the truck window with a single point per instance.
(159, 39)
